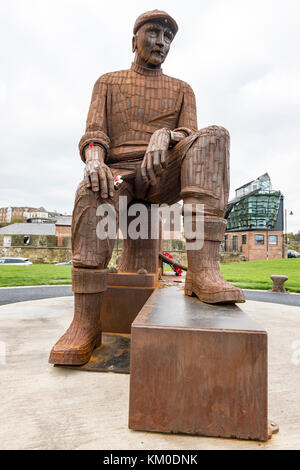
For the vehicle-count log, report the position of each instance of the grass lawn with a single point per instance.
(256, 274)
(248, 275)
(36, 274)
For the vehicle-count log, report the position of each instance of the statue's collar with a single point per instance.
(145, 71)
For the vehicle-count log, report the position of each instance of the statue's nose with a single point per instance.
(160, 39)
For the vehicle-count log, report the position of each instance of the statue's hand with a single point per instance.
(155, 156)
(97, 175)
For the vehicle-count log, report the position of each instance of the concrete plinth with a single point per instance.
(46, 407)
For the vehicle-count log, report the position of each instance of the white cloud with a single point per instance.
(241, 58)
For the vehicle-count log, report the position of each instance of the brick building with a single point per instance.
(29, 214)
(255, 221)
(7, 214)
(63, 228)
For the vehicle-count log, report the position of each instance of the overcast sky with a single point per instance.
(240, 57)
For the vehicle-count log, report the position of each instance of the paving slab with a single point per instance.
(46, 407)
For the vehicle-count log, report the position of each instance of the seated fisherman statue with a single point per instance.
(144, 123)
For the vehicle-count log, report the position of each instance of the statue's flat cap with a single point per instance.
(155, 15)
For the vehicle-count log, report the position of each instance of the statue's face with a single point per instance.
(152, 42)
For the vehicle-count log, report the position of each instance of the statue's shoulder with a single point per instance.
(114, 77)
(184, 86)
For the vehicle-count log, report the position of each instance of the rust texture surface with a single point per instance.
(142, 127)
(112, 356)
(197, 370)
(124, 298)
(170, 308)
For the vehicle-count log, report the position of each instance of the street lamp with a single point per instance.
(286, 213)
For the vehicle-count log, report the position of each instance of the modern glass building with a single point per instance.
(255, 220)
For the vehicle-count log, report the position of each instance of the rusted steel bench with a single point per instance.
(197, 368)
(278, 283)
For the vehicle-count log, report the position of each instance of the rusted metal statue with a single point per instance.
(142, 125)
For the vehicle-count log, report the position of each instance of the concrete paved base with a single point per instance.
(46, 407)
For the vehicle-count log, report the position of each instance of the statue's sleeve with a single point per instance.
(187, 120)
(96, 123)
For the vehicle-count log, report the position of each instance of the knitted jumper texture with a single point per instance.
(129, 105)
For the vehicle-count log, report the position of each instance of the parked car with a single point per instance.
(293, 254)
(66, 263)
(10, 261)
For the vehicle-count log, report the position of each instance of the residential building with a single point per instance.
(39, 213)
(7, 214)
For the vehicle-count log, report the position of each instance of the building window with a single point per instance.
(235, 243)
(26, 239)
(7, 241)
(225, 242)
(244, 239)
(259, 239)
(273, 239)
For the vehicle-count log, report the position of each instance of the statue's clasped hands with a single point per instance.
(155, 156)
(97, 175)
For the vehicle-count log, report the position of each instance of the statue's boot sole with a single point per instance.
(230, 296)
(68, 356)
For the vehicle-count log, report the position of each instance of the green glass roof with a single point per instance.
(258, 211)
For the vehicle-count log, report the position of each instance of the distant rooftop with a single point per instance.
(63, 220)
(262, 182)
(28, 229)
(28, 208)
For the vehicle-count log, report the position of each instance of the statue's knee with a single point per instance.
(214, 131)
(208, 136)
(84, 191)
